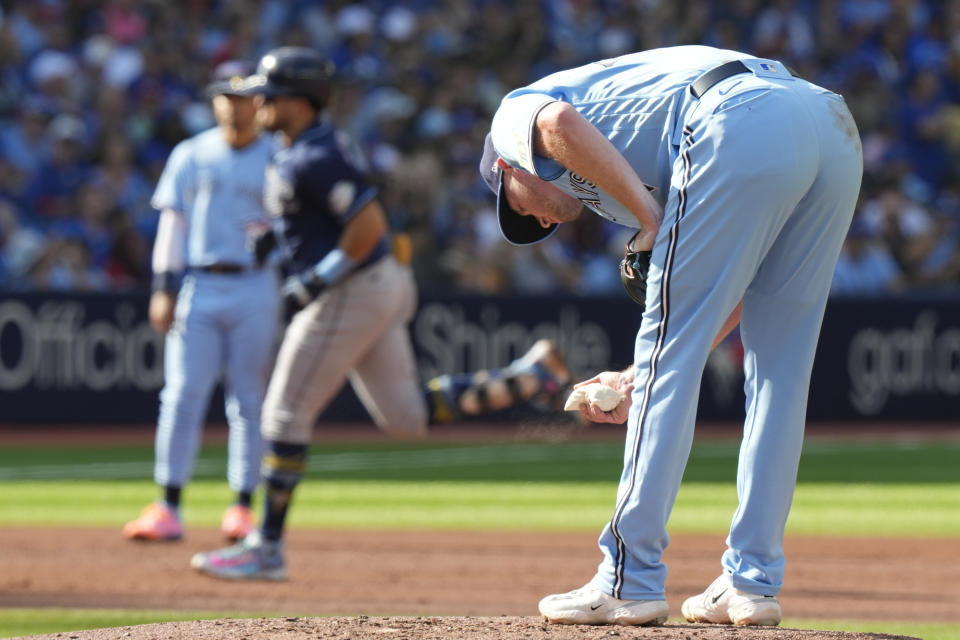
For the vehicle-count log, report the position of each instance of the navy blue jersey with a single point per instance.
(313, 189)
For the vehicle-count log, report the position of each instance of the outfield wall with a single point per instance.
(71, 358)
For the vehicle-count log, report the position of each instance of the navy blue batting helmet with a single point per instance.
(299, 72)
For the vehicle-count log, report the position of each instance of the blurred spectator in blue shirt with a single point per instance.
(865, 267)
(95, 95)
(24, 141)
(922, 121)
(60, 175)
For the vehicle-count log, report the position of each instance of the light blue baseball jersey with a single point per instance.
(225, 322)
(220, 191)
(636, 100)
(758, 175)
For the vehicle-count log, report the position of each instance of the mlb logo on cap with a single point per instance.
(766, 66)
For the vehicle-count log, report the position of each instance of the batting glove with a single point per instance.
(301, 289)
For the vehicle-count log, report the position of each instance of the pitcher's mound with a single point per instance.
(442, 628)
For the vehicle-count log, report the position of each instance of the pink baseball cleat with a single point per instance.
(157, 522)
(238, 521)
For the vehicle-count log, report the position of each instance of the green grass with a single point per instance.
(865, 462)
(845, 488)
(927, 631)
(835, 509)
(36, 621)
(890, 489)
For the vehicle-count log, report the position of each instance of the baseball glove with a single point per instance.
(633, 272)
(261, 244)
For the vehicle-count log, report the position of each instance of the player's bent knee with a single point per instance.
(406, 430)
(280, 427)
(411, 426)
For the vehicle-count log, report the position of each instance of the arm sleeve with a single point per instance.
(174, 188)
(169, 248)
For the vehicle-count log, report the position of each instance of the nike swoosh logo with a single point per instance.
(596, 607)
(719, 595)
(724, 92)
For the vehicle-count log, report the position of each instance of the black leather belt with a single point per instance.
(703, 84)
(223, 268)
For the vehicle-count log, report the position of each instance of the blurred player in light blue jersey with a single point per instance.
(218, 308)
(741, 180)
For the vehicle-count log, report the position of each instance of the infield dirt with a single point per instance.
(495, 578)
(449, 628)
(450, 585)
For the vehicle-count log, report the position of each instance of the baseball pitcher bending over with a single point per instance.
(350, 302)
(742, 181)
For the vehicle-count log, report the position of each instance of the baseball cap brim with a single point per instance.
(516, 229)
(227, 88)
(230, 78)
(259, 84)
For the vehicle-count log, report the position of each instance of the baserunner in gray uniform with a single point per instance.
(742, 180)
(350, 302)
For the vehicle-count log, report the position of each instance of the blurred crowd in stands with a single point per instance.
(95, 93)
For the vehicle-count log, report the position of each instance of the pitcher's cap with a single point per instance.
(517, 229)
